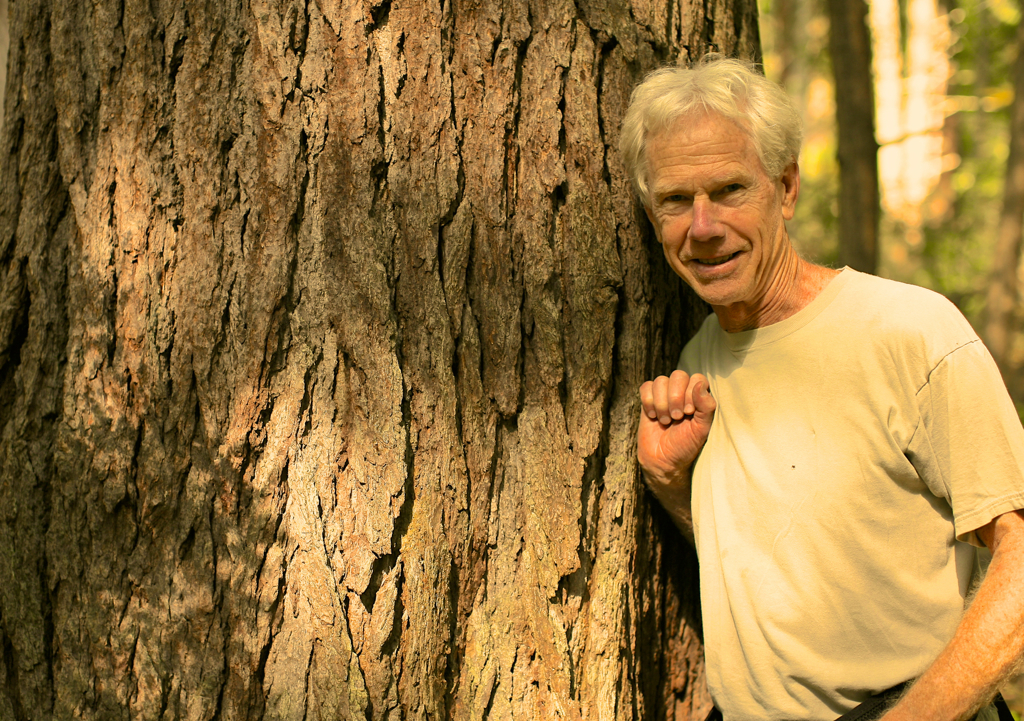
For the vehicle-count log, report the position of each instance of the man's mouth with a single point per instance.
(717, 260)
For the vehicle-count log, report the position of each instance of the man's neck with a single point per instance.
(796, 284)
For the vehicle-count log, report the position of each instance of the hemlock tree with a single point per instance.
(321, 326)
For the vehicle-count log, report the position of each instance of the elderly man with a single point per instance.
(837, 446)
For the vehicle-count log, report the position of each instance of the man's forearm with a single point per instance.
(988, 644)
(674, 497)
(675, 420)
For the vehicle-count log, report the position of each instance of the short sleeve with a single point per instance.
(969, 445)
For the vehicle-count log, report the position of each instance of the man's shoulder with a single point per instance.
(897, 302)
(885, 290)
(894, 312)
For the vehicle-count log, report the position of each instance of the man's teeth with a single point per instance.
(715, 261)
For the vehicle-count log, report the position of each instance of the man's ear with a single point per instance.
(790, 189)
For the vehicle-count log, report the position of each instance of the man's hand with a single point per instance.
(674, 424)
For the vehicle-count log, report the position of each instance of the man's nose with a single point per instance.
(704, 225)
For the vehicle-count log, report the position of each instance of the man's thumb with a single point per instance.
(703, 401)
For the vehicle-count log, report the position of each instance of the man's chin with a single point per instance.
(717, 291)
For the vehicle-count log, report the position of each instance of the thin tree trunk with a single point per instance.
(786, 27)
(1003, 284)
(850, 47)
(321, 325)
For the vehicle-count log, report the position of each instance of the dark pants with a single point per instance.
(876, 706)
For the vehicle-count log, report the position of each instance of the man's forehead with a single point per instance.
(713, 146)
(713, 139)
(700, 128)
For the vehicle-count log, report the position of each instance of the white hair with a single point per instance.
(727, 87)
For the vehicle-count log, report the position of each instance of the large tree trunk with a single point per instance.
(321, 325)
(850, 47)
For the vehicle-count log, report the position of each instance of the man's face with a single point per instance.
(717, 214)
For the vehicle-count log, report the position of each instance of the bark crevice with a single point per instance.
(10, 664)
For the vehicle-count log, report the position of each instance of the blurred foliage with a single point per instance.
(955, 255)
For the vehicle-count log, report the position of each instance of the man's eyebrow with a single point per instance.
(717, 183)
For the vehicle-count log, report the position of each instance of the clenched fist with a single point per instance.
(674, 424)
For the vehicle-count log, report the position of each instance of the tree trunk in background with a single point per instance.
(850, 47)
(1001, 303)
(786, 44)
(321, 325)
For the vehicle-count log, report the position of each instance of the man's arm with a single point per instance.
(674, 424)
(989, 642)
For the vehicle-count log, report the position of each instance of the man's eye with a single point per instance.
(726, 190)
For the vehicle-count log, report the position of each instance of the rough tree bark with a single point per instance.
(321, 323)
(850, 47)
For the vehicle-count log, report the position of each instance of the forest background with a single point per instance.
(943, 82)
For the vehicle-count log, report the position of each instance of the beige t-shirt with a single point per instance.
(854, 444)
